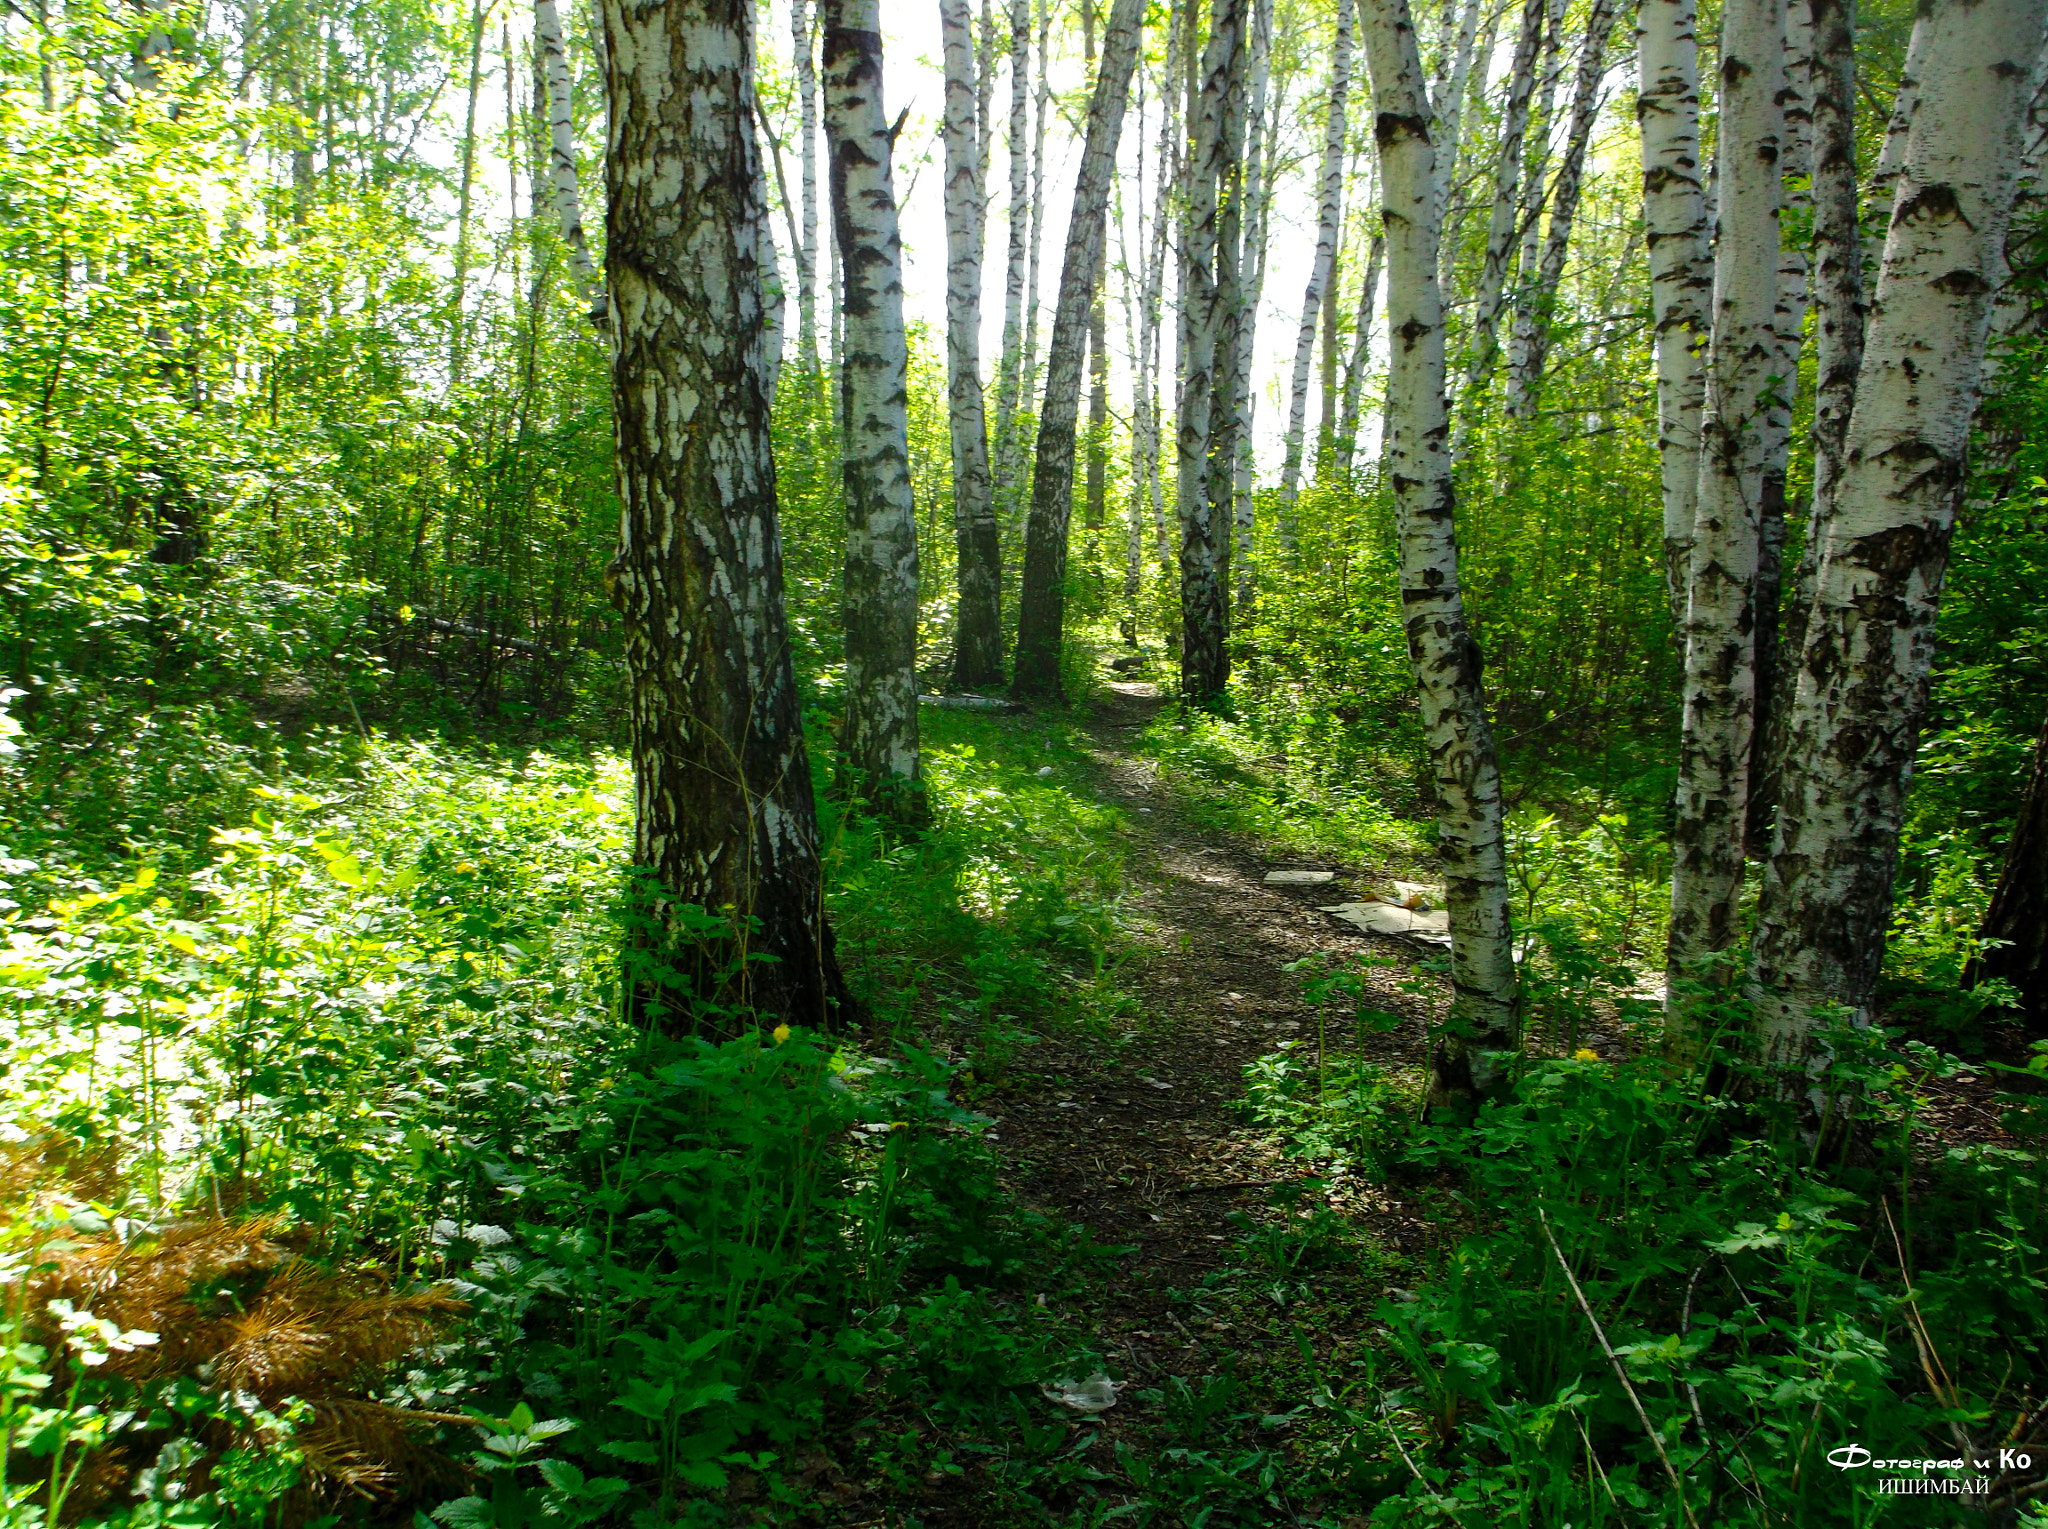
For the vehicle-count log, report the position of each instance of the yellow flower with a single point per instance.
(1584, 1054)
(781, 1034)
(1784, 1221)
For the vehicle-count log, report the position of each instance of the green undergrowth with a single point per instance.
(353, 1084)
(1646, 1304)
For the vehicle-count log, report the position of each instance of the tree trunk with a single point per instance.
(1720, 676)
(2018, 915)
(1361, 354)
(1470, 1058)
(1230, 393)
(547, 23)
(879, 737)
(1010, 374)
(1258, 196)
(807, 250)
(1327, 211)
(1098, 347)
(1500, 229)
(1788, 342)
(1041, 602)
(1447, 106)
(1204, 545)
(1838, 290)
(1681, 272)
(978, 627)
(1149, 316)
(465, 193)
(1042, 107)
(1863, 678)
(723, 815)
(1530, 345)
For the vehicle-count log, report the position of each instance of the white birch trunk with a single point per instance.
(547, 25)
(1042, 107)
(880, 736)
(1041, 600)
(1448, 106)
(1681, 273)
(1361, 354)
(1720, 675)
(1500, 228)
(723, 807)
(1010, 376)
(1531, 340)
(1862, 687)
(1204, 544)
(1471, 1056)
(1257, 197)
(978, 621)
(1150, 318)
(807, 250)
(1328, 208)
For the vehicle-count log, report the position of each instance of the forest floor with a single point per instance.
(1207, 1310)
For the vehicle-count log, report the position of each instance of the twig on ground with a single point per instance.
(1620, 1371)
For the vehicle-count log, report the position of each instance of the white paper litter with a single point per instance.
(1299, 878)
(1433, 928)
(1095, 1394)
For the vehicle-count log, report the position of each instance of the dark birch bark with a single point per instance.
(1471, 1058)
(978, 628)
(1041, 602)
(1863, 680)
(879, 737)
(723, 813)
(2016, 924)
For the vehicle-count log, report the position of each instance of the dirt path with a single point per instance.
(1145, 1142)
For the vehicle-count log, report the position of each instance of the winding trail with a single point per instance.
(1144, 1141)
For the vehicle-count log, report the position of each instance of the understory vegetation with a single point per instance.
(339, 1186)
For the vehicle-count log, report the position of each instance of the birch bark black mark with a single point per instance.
(723, 807)
(1720, 674)
(880, 733)
(1471, 1057)
(978, 629)
(1863, 679)
(1041, 602)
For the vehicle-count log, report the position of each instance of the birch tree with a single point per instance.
(879, 736)
(1041, 602)
(1204, 545)
(807, 127)
(1471, 1057)
(1500, 231)
(1328, 209)
(723, 814)
(1258, 196)
(1010, 374)
(1720, 676)
(1862, 687)
(547, 26)
(1529, 344)
(978, 626)
(1361, 354)
(1681, 274)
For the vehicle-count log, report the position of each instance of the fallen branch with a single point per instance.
(1620, 1371)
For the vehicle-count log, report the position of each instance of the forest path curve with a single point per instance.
(1145, 1141)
